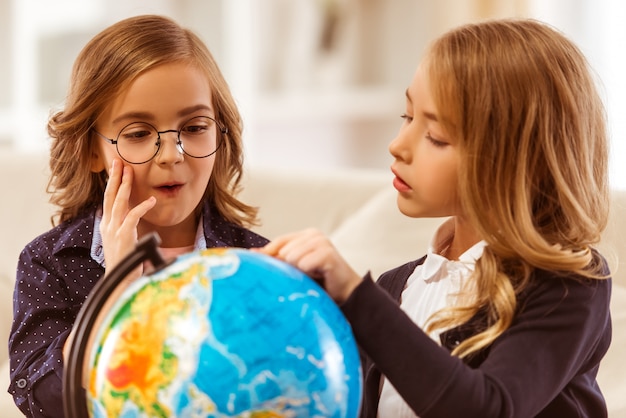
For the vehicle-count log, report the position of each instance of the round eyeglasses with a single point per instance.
(139, 142)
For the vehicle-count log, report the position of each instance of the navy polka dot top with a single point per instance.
(55, 273)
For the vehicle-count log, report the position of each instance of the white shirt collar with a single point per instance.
(437, 266)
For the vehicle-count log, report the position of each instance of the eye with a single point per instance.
(407, 117)
(137, 132)
(435, 142)
(197, 126)
(195, 129)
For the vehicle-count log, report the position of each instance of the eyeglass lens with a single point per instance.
(139, 142)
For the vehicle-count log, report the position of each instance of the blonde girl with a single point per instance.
(507, 315)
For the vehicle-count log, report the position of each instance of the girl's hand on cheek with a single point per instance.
(118, 226)
(314, 254)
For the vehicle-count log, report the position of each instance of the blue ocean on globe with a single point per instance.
(224, 333)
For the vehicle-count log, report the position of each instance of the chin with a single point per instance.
(410, 212)
(164, 221)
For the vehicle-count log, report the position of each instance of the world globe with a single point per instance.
(217, 333)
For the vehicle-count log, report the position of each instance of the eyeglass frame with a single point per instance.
(179, 143)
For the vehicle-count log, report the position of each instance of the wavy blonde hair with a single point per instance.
(109, 63)
(521, 99)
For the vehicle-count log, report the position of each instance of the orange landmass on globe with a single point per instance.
(141, 364)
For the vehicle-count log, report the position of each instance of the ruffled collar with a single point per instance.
(437, 267)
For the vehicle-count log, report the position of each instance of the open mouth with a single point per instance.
(169, 188)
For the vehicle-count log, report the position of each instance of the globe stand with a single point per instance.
(74, 396)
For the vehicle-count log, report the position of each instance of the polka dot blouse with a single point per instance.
(55, 273)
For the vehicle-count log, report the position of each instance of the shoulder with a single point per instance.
(74, 233)
(245, 238)
(219, 232)
(569, 302)
(61, 259)
(394, 280)
(563, 287)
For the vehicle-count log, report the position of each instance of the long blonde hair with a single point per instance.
(107, 65)
(521, 99)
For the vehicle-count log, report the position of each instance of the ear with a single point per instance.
(97, 161)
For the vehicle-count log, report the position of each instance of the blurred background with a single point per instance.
(320, 83)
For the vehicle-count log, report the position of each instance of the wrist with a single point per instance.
(346, 291)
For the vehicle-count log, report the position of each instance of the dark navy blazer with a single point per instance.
(544, 365)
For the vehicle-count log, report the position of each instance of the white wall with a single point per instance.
(597, 26)
(305, 102)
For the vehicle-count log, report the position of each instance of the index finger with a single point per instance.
(113, 184)
(274, 246)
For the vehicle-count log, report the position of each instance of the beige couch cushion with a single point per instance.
(378, 237)
(292, 200)
(23, 181)
(613, 245)
(612, 374)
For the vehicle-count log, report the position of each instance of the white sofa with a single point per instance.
(355, 207)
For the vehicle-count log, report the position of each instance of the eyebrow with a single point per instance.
(427, 115)
(408, 96)
(431, 116)
(149, 116)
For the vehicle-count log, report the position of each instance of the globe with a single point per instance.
(222, 333)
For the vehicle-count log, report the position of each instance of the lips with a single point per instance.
(399, 184)
(169, 188)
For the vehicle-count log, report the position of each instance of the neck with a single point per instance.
(180, 235)
(465, 237)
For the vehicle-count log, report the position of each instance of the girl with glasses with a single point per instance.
(149, 141)
(507, 315)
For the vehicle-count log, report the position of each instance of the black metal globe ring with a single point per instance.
(74, 395)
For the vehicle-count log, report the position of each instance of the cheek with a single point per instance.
(451, 180)
(430, 165)
(203, 172)
(139, 184)
(440, 173)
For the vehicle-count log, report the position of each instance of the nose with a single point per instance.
(398, 147)
(170, 148)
